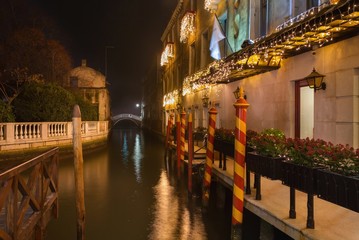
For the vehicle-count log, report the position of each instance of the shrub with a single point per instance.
(339, 158)
(226, 135)
(89, 112)
(270, 142)
(6, 114)
(43, 102)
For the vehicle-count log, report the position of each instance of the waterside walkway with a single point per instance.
(332, 222)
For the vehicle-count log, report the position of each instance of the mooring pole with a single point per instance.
(79, 176)
(183, 133)
(190, 153)
(241, 106)
(209, 156)
(168, 133)
(178, 140)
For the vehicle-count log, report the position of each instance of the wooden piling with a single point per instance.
(79, 177)
(209, 157)
(190, 153)
(178, 140)
(241, 106)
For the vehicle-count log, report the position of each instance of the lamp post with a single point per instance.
(107, 47)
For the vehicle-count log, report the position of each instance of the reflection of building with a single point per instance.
(271, 69)
(92, 85)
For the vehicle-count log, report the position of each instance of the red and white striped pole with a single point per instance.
(169, 127)
(178, 140)
(183, 132)
(190, 153)
(241, 106)
(209, 156)
(167, 133)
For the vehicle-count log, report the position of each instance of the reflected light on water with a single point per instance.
(137, 157)
(124, 149)
(172, 219)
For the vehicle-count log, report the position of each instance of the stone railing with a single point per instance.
(26, 135)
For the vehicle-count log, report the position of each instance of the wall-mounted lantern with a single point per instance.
(205, 101)
(237, 94)
(315, 80)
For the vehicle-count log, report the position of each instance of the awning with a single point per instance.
(317, 27)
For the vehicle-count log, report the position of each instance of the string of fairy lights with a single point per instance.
(187, 26)
(316, 27)
(167, 53)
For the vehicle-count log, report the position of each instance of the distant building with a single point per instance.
(152, 100)
(92, 85)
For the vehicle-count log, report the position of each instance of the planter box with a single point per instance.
(338, 189)
(265, 166)
(299, 177)
(224, 147)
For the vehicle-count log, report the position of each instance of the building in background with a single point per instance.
(152, 100)
(268, 47)
(92, 86)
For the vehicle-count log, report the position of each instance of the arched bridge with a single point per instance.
(126, 116)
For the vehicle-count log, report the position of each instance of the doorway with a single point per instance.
(304, 110)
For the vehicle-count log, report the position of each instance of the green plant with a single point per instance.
(43, 102)
(250, 134)
(89, 112)
(339, 158)
(306, 152)
(270, 142)
(201, 130)
(226, 135)
(6, 114)
(342, 159)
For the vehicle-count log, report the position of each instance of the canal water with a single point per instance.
(133, 192)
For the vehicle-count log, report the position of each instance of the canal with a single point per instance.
(133, 192)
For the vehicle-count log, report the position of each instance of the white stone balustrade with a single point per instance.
(26, 135)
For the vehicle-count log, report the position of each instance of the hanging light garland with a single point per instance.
(170, 99)
(210, 5)
(296, 35)
(187, 26)
(167, 53)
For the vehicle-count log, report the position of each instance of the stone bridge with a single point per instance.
(127, 116)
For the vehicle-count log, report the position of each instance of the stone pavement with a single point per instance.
(332, 222)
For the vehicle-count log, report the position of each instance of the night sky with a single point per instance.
(132, 27)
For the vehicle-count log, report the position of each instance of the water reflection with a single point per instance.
(132, 193)
(137, 157)
(172, 219)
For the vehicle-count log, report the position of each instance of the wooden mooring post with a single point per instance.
(241, 106)
(209, 157)
(79, 176)
(190, 153)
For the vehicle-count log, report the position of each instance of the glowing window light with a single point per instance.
(210, 5)
(167, 53)
(187, 26)
(170, 98)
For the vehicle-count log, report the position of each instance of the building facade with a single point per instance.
(92, 86)
(268, 47)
